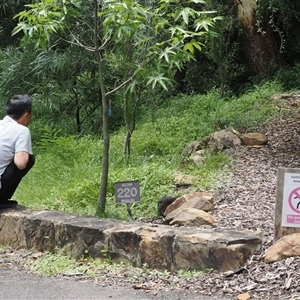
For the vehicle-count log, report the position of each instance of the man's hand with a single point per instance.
(21, 159)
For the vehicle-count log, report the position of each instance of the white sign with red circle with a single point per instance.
(291, 200)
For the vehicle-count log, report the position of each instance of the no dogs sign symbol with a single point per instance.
(294, 200)
(291, 201)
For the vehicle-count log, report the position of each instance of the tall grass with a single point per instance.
(67, 172)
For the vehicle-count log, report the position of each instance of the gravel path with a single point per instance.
(246, 200)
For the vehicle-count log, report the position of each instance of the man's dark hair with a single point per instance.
(18, 105)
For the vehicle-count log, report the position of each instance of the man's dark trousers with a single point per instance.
(11, 178)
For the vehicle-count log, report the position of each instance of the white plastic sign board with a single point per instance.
(291, 200)
(127, 192)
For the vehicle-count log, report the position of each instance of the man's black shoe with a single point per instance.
(8, 203)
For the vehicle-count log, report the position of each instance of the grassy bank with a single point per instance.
(67, 172)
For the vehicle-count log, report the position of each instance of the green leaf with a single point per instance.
(21, 26)
(197, 46)
(166, 53)
(186, 13)
(158, 79)
(188, 47)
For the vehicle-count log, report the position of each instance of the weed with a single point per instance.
(189, 274)
(105, 253)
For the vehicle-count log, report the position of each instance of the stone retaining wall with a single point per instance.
(159, 246)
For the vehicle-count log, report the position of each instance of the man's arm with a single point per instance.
(21, 159)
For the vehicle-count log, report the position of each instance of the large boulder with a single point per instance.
(287, 246)
(199, 200)
(254, 138)
(191, 210)
(190, 217)
(224, 139)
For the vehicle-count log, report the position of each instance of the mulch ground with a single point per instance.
(248, 200)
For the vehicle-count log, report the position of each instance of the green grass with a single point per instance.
(61, 263)
(67, 172)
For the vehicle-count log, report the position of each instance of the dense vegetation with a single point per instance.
(125, 86)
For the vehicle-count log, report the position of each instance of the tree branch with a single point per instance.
(120, 86)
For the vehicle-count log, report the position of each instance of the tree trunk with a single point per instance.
(78, 123)
(130, 106)
(105, 159)
(106, 143)
(260, 47)
(126, 146)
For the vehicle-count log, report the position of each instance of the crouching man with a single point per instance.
(16, 157)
